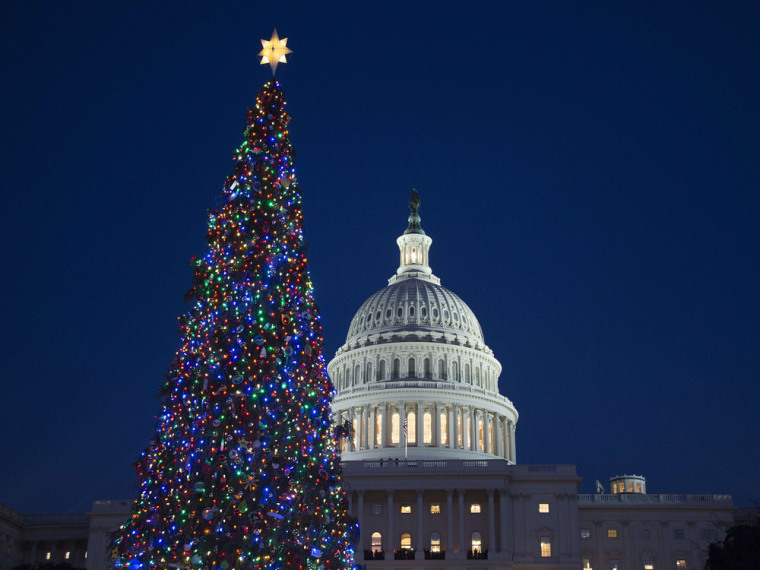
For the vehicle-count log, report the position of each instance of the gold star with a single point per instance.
(274, 51)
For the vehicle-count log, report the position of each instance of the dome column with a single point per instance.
(487, 432)
(372, 426)
(420, 424)
(437, 423)
(354, 427)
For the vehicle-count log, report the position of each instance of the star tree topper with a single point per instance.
(274, 51)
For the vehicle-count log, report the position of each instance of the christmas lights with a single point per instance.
(243, 471)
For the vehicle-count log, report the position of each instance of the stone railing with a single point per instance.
(641, 499)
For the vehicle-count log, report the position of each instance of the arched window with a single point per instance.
(647, 560)
(357, 374)
(388, 313)
(377, 542)
(423, 312)
(369, 371)
(467, 373)
(454, 371)
(411, 420)
(406, 541)
(427, 427)
(481, 436)
(477, 543)
(381, 371)
(400, 312)
(435, 542)
(477, 376)
(379, 428)
(412, 373)
(396, 368)
(395, 428)
(411, 311)
(426, 368)
(444, 435)
(441, 374)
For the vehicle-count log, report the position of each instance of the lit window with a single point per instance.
(377, 509)
(356, 434)
(546, 547)
(67, 555)
(435, 509)
(395, 428)
(680, 563)
(444, 435)
(459, 431)
(630, 486)
(377, 542)
(611, 533)
(406, 509)
(585, 533)
(587, 564)
(427, 427)
(47, 556)
(481, 436)
(638, 487)
(677, 533)
(435, 542)
(477, 543)
(411, 427)
(614, 564)
(379, 429)
(85, 555)
(543, 507)
(475, 508)
(406, 540)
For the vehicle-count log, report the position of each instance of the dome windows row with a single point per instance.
(427, 368)
(409, 313)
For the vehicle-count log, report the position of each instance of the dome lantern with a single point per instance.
(414, 247)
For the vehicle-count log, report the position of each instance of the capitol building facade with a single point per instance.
(431, 462)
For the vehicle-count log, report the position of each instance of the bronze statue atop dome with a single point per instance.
(414, 217)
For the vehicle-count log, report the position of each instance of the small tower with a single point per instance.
(628, 484)
(414, 246)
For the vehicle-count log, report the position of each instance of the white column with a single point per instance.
(491, 522)
(476, 431)
(450, 520)
(497, 435)
(450, 426)
(420, 431)
(437, 425)
(360, 515)
(486, 432)
(365, 428)
(420, 554)
(473, 431)
(384, 427)
(351, 417)
(389, 539)
(454, 427)
(372, 424)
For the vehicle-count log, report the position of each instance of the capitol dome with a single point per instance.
(415, 373)
(415, 308)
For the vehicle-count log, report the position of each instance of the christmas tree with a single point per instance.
(243, 471)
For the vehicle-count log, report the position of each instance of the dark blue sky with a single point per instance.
(589, 173)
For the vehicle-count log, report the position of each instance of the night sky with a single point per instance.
(589, 173)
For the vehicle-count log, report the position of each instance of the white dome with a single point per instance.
(415, 309)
